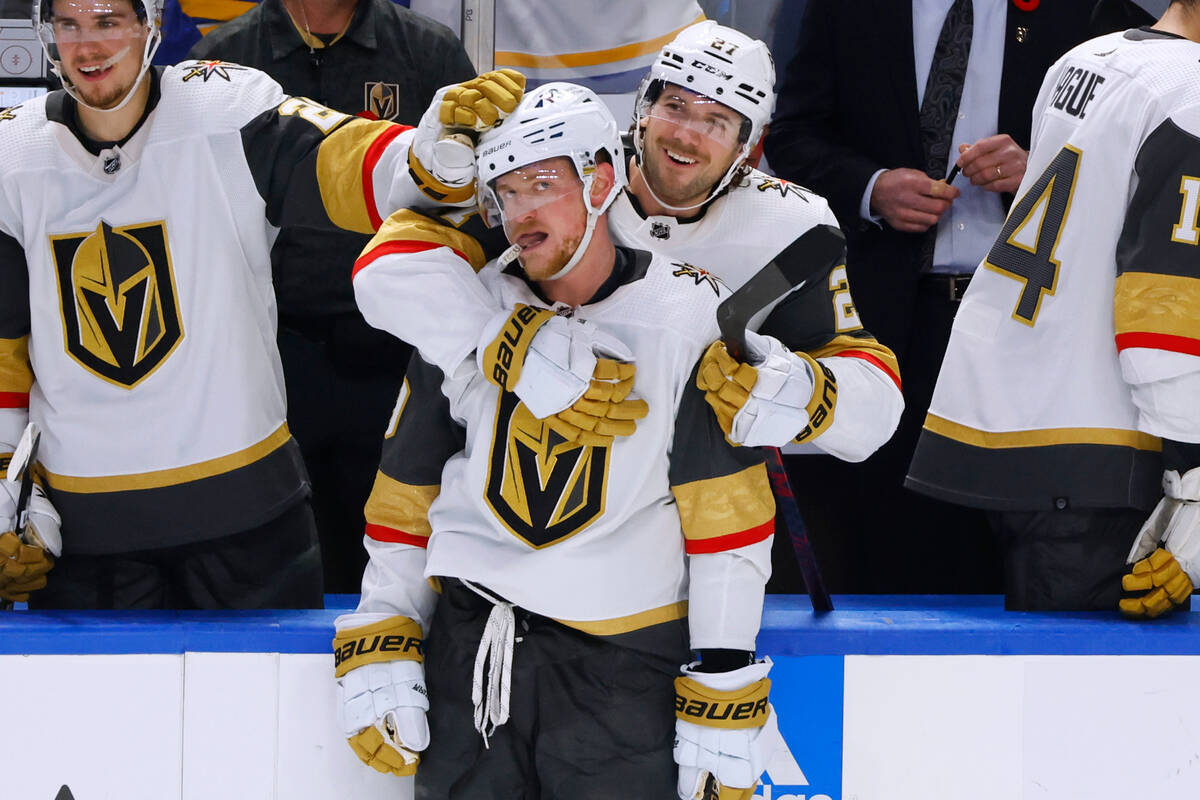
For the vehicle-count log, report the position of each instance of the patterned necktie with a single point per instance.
(943, 89)
(939, 107)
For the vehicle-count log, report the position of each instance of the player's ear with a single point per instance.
(602, 182)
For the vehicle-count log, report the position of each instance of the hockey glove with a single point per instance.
(546, 360)
(26, 556)
(605, 410)
(771, 399)
(441, 159)
(381, 693)
(1166, 552)
(725, 730)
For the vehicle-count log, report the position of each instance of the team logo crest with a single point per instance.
(543, 489)
(207, 69)
(117, 295)
(700, 276)
(382, 99)
(7, 113)
(783, 187)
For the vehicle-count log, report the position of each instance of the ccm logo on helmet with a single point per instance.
(710, 69)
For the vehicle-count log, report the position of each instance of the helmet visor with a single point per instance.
(528, 190)
(69, 22)
(688, 111)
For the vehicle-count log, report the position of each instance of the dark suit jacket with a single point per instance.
(848, 107)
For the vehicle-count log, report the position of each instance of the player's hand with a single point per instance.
(546, 360)
(1165, 557)
(382, 698)
(606, 408)
(725, 730)
(26, 556)
(441, 157)
(768, 401)
(995, 163)
(909, 200)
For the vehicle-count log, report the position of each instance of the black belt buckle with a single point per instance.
(957, 287)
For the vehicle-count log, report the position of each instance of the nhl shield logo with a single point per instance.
(117, 295)
(541, 487)
(383, 99)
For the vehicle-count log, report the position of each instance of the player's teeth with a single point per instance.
(678, 157)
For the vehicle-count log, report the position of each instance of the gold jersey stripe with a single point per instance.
(1041, 438)
(175, 475)
(839, 344)
(409, 226)
(16, 376)
(400, 506)
(714, 507)
(588, 58)
(343, 163)
(633, 622)
(1146, 302)
(219, 10)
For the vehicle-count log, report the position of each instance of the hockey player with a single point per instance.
(692, 196)
(1069, 388)
(137, 318)
(576, 569)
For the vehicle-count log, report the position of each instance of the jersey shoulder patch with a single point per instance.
(208, 94)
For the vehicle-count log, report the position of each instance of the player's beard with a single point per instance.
(552, 262)
(111, 92)
(667, 187)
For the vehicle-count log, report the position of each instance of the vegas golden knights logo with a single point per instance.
(541, 487)
(383, 99)
(117, 296)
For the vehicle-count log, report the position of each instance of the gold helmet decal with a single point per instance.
(118, 301)
(541, 487)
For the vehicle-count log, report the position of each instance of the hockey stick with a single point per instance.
(815, 252)
(20, 468)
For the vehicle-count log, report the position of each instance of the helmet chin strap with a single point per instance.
(639, 147)
(152, 42)
(581, 249)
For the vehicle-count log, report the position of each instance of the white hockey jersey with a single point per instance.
(1077, 345)
(137, 316)
(599, 538)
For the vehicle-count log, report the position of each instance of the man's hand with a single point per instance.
(382, 698)
(995, 163)
(546, 360)
(725, 730)
(441, 163)
(605, 410)
(1166, 553)
(767, 401)
(909, 200)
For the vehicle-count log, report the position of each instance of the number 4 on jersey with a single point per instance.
(1025, 247)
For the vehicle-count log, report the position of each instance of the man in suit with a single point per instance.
(852, 123)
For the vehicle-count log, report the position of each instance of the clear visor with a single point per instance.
(687, 111)
(74, 21)
(516, 195)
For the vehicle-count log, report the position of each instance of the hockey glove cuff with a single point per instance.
(382, 698)
(546, 360)
(725, 731)
(1165, 557)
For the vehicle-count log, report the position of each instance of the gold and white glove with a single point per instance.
(551, 362)
(382, 698)
(774, 398)
(441, 157)
(725, 731)
(25, 555)
(605, 410)
(1165, 557)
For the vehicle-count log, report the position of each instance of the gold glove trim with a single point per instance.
(823, 402)
(392, 639)
(368, 745)
(742, 708)
(504, 357)
(1164, 583)
(434, 189)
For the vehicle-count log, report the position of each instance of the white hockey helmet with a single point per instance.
(724, 65)
(149, 12)
(554, 120)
